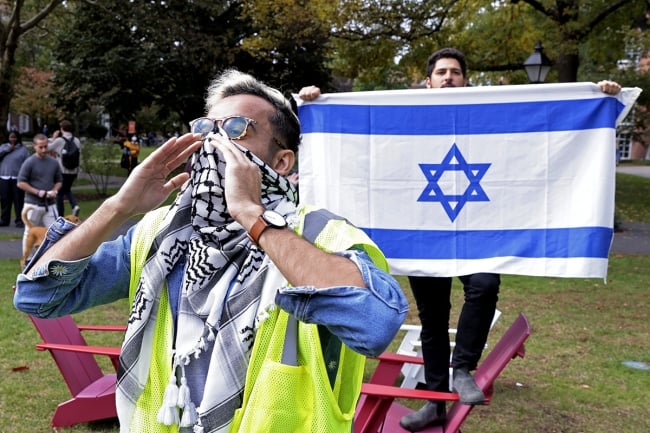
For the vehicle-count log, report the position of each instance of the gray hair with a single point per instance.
(232, 82)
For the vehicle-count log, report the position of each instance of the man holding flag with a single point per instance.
(447, 68)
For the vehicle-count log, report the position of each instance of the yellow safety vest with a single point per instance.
(328, 408)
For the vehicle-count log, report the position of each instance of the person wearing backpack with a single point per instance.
(67, 149)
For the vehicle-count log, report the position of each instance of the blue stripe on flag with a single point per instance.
(495, 118)
(481, 244)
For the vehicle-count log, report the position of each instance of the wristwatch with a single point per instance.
(269, 218)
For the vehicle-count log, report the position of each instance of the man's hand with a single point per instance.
(242, 184)
(299, 261)
(309, 93)
(147, 185)
(609, 87)
(145, 188)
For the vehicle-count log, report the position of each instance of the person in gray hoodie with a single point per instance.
(12, 155)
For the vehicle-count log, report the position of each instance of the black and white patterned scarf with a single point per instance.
(223, 297)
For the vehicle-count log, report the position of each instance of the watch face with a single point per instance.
(274, 218)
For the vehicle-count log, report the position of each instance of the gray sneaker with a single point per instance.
(75, 211)
(432, 413)
(466, 388)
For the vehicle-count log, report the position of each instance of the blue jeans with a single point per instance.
(66, 191)
(432, 296)
(11, 195)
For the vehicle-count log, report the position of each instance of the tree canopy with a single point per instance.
(126, 56)
(152, 60)
(17, 18)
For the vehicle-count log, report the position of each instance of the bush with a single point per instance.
(100, 161)
(96, 132)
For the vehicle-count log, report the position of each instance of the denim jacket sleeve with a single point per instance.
(60, 287)
(365, 319)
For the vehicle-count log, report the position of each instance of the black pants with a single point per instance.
(432, 296)
(11, 195)
(66, 191)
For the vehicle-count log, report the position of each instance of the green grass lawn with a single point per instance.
(572, 379)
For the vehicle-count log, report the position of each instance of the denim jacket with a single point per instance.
(365, 319)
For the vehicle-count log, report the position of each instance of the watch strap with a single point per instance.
(257, 229)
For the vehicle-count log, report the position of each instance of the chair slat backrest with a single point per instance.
(509, 346)
(78, 369)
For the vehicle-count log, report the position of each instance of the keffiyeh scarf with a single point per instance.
(221, 301)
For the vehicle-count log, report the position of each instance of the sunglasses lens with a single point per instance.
(235, 127)
(203, 126)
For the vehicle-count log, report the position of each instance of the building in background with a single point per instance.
(627, 147)
(19, 122)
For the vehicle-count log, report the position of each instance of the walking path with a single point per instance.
(633, 238)
(637, 170)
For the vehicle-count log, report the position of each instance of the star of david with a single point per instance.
(454, 203)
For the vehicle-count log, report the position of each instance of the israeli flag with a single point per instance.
(448, 182)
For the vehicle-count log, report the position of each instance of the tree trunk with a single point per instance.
(12, 30)
(5, 97)
(567, 67)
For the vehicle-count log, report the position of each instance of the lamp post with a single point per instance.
(537, 65)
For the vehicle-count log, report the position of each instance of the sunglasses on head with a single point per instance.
(236, 127)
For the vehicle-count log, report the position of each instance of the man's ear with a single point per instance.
(283, 161)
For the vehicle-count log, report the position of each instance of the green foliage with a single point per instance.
(96, 132)
(292, 39)
(133, 62)
(370, 37)
(631, 193)
(100, 161)
(131, 59)
(17, 19)
(126, 58)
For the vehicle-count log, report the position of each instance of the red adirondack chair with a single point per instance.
(93, 391)
(378, 412)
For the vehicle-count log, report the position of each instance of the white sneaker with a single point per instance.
(75, 211)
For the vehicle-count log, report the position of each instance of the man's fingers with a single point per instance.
(176, 182)
(229, 150)
(182, 157)
(175, 151)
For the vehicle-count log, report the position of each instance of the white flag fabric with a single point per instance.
(448, 182)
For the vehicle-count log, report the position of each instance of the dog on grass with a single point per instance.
(36, 235)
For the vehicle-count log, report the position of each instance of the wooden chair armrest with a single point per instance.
(116, 328)
(392, 392)
(112, 351)
(398, 358)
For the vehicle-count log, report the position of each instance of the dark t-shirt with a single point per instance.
(40, 173)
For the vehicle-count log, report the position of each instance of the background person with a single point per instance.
(205, 273)
(12, 155)
(130, 152)
(445, 68)
(40, 177)
(69, 174)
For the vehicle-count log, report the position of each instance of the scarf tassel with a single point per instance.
(168, 413)
(170, 397)
(198, 428)
(190, 415)
(183, 394)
